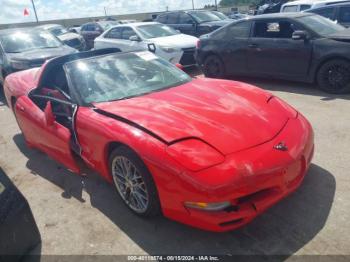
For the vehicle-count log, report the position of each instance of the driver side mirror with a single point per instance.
(300, 35)
(134, 38)
(49, 116)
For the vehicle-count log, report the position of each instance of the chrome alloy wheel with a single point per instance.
(130, 184)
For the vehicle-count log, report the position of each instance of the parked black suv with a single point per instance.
(194, 23)
(295, 46)
(335, 12)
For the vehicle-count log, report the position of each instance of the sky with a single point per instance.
(11, 11)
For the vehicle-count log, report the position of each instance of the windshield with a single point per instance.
(121, 76)
(220, 15)
(58, 30)
(20, 42)
(320, 25)
(156, 30)
(204, 16)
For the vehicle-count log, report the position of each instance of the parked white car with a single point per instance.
(301, 5)
(163, 40)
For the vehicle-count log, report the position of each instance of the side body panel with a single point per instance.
(53, 139)
(20, 83)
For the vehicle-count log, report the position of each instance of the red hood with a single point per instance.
(230, 116)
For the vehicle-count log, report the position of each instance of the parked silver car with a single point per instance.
(71, 39)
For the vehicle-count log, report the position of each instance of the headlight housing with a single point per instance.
(169, 49)
(194, 154)
(20, 65)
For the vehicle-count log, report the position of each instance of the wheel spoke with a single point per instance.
(130, 184)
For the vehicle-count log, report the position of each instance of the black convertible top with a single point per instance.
(53, 63)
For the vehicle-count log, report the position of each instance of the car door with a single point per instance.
(233, 46)
(186, 24)
(113, 38)
(125, 41)
(273, 52)
(343, 17)
(41, 130)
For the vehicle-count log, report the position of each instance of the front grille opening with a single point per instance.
(231, 209)
(256, 196)
(230, 223)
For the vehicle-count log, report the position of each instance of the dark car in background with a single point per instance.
(222, 16)
(294, 46)
(237, 15)
(336, 12)
(90, 31)
(24, 48)
(69, 38)
(192, 22)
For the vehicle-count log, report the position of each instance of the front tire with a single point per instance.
(334, 76)
(213, 67)
(134, 182)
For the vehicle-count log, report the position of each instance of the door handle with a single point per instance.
(21, 108)
(252, 45)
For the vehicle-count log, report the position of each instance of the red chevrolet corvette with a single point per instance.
(209, 153)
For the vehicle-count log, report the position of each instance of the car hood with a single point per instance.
(341, 35)
(41, 54)
(230, 116)
(180, 41)
(68, 36)
(216, 23)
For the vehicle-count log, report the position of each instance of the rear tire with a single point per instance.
(334, 76)
(134, 182)
(213, 67)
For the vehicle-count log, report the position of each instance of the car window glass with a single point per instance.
(173, 18)
(121, 76)
(149, 31)
(325, 12)
(304, 7)
(89, 27)
(127, 32)
(290, 8)
(320, 25)
(162, 19)
(114, 33)
(344, 15)
(22, 41)
(274, 29)
(185, 19)
(241, 30)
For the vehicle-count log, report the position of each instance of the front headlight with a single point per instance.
(194, 154)
(169, 49)
(20, 65)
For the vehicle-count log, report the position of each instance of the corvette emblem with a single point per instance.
(281, 146)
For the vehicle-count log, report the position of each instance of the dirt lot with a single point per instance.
(79, 215)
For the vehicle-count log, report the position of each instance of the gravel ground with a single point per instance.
(83, 215)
